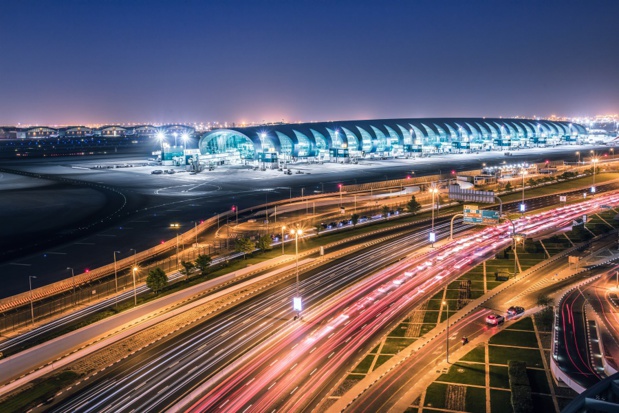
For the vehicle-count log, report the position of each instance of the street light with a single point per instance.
(161, 137)
(135, 291)
(30, 277)
(593, 162)
(116, 278)
(195, 226)
(340, 186)
(578, 153)
(446, 304)
(184, 138)
(283, 228)
(73, 280)
(433, 190)
(296, 301)
(522, 207)
(135, 260)
(235, 209)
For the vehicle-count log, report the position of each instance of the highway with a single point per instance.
(172, 369)
(174, 390)
(285, 377)
(392, 392)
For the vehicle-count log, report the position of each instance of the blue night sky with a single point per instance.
(75, 62)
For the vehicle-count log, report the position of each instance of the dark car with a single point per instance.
(514, 311)
(157, 172)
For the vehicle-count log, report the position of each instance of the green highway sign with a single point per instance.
(475, 216)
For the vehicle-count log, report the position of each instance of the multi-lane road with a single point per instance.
(290, 375)
(157, 377)
(245, 326)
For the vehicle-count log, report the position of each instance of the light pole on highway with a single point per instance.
(446, 304)
(135, 291)
(433, 190)
(135, 260)
(134, 270)
(578, 153)
(593, 162)
(195, 226)
(296, 301)
(235, 209)
(116, 278)
(283, 228)
(30, 277)
(522, 207)
(161, 137)
(340, 186)
(73, 281)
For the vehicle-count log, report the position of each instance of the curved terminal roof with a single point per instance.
(384, 134)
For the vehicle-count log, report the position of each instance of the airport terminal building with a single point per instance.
(339, 141)
(350, 140)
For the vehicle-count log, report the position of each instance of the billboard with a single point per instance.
(470, 195)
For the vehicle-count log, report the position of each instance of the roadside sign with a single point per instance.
(480, 216)
(563, 198)
(584, 218)
(296, 304)
(470, 195)
(432, 237)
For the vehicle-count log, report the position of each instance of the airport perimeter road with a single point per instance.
(158, 376)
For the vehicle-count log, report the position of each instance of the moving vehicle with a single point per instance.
(495, 319)
(514, 311)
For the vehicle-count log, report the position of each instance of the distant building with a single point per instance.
(41, 132)
(112, 131)
(76, 131)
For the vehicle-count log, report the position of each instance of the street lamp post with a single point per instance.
(73, 281)
(135, 260)
(30, 277)
(283, 228)
(433, 190)
(522, 204)
(296, 301)
(578, 153)
(446, 304)
(116, 278)
(161, 137)
(135, 268)
(340, 186)
(195, 225)
(235, 209)
(177, 263)
(593, 162)
(135, 291)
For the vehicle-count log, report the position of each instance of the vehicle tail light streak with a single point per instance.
(292, 381)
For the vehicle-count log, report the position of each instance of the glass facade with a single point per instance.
(389, 136)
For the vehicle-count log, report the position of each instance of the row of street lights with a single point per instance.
(133, 270)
